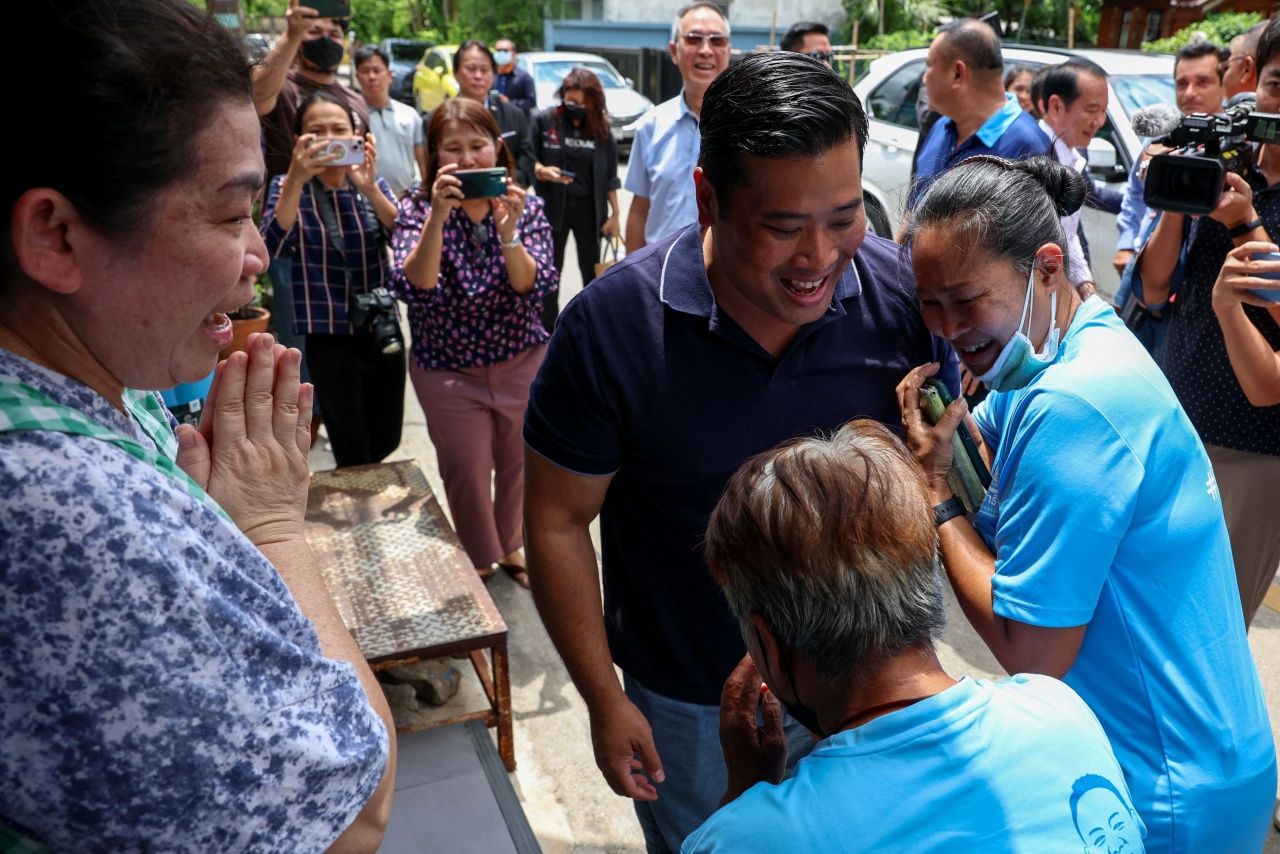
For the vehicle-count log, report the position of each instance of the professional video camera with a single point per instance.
(376, 310)
(1190, 179)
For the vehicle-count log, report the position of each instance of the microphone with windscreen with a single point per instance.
(1155, 120)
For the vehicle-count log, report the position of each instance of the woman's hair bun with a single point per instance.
(1064, 185)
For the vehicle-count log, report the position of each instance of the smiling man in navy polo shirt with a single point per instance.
(775, 317)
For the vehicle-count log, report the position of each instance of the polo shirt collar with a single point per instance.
(1063, 153)
(683, 284)
(995, 126)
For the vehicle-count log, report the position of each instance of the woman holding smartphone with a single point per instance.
(577, 173)
(335, 218)
(474, 271)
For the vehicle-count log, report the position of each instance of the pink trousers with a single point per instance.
(474, 418)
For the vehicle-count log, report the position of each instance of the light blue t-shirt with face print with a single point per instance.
(1103, 512)
(1018, 765)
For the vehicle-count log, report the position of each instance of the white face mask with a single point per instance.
(1018, 363)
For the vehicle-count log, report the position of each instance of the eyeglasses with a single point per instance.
(716, 40)
(821, 55)
(1224, 66)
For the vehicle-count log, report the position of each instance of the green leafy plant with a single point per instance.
(1219, 29)
(261, 299)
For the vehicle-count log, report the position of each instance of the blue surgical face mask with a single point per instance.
(1018, 363)
(502, 57)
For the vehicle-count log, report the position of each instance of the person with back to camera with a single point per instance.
(1099, 555)
(335, 222)
(175, 675)
(574, 137)
(827, 554)
(474, 272)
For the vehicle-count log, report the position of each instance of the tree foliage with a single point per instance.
(1219, 29)
(1032, 21)
(434, 20)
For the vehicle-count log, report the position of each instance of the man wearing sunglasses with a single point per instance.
(810, 38)
(664, 151)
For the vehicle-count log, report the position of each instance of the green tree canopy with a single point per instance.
(1219, 29)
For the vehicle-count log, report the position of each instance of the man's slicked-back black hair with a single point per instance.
(1063, 79)
(1268, 45)
(774, 105)
(795, 36)
(1195, 50)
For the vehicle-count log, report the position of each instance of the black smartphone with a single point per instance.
(966, 437)
(330, 8)
(483, 183)
(565, 173)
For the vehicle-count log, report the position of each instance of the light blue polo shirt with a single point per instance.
(1018, 765)
(1009, 132)
(664, 153)
(1104, 512)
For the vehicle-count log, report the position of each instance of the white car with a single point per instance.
(624, 103)
(888, 92)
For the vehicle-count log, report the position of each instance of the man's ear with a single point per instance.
(705, 195)
(671, 48)
(46, 231)
(1051, 101)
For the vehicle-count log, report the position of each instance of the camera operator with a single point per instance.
(1198, 88)
(335, 222)
(1213, 353)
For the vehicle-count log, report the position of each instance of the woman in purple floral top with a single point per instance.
(474, 272)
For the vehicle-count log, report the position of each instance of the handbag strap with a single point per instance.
(609, 248)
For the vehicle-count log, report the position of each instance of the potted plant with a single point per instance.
(250, 318)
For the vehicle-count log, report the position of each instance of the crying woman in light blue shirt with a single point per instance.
(1099, 554)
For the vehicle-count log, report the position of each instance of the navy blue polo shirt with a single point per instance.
(1010, 132)
(648, 380)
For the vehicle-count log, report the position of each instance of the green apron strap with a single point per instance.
(24, 408)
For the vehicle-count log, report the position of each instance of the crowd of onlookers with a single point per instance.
(744, 403)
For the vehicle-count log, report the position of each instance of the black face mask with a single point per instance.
(324, 53)
(806, 716)
(575, 111)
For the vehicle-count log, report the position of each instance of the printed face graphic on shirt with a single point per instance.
(1106, 824)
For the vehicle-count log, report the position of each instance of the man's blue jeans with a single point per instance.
(687, 737)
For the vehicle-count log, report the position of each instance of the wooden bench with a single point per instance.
(403, 584)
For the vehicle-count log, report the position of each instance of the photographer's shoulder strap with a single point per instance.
(327, 215)
(369, 217)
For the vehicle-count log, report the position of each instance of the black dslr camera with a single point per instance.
(376, 311)
(1190, 179)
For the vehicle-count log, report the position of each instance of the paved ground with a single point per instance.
(568, 804)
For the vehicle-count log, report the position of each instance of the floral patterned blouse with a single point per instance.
(472, 317)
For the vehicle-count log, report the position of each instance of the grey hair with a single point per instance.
(832, 543)
(684, 10)
(1009, 208)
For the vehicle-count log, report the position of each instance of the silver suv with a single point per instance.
(888, 92)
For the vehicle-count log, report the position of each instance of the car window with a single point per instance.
(894, 100)
(435, 62)
(408, 51)
(1135, 91)
(553, 71)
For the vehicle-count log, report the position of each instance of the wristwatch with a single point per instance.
(513, 242)
(1244, 228)
(947, 510)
